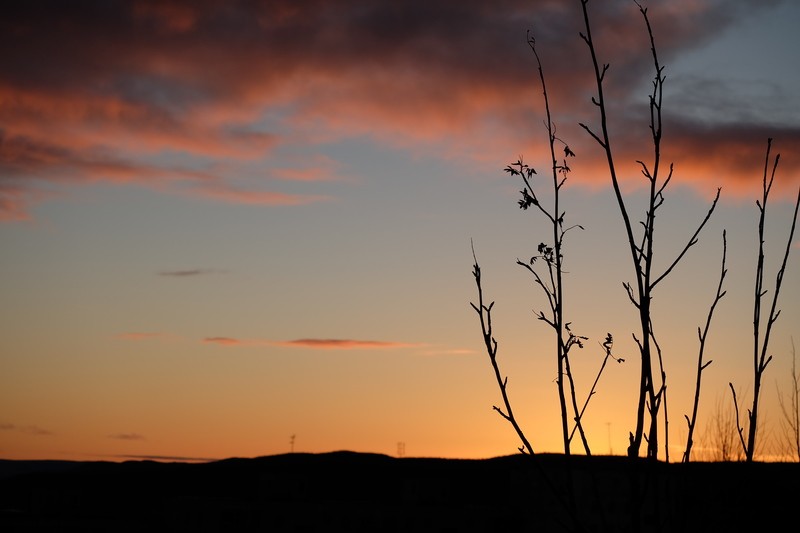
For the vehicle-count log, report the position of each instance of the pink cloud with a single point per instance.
(342, 344)
(238, 196)
(311, 343)
(317, 169)
(224, 341)
(78, 121)
(14, 203)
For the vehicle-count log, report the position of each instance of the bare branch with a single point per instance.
(691, 242)
(700, 364)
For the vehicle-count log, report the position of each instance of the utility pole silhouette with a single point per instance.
(291, 443)
(401, 449)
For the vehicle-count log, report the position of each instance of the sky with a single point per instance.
(236, 229)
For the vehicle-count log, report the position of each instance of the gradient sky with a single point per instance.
(227, 223)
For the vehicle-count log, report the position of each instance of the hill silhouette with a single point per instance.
(347, 491)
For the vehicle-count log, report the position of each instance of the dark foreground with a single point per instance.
(346, 491)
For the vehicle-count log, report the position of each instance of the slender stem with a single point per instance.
(485, 315)
(701, 365)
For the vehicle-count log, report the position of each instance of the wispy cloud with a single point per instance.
(126, 436)
(342, 344)
(29, 429)
(36, 430)
(225, 341)
(312, 343)
(317, 168)
(191, 272)
(238, 196)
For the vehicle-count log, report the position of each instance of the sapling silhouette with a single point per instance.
(760, 347)
(551, 284)
(642, 250)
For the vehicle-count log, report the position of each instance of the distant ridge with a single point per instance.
(353, 491)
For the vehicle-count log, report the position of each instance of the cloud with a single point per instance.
(188, 273)
(234, 88)
(238, 196)
(126, 436)
(310, 343)
(342, 344)
(30, 430)
(224, 341)
(315, 169)
(16, 199)
(36, 430)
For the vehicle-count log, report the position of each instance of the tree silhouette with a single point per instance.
(642, 250)
(550, 282)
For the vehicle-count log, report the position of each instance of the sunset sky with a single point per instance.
(225, 224)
